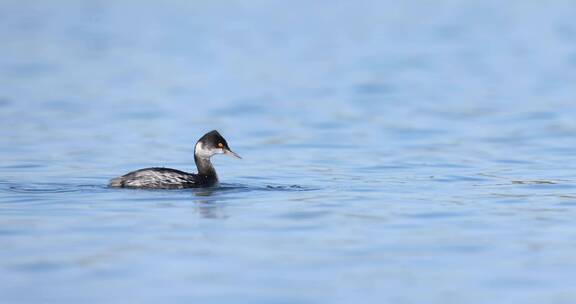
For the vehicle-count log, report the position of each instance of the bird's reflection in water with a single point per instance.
(206, 205)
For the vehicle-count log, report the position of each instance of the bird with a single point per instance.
(212, 143)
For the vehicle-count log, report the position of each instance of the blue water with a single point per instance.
(394, 151)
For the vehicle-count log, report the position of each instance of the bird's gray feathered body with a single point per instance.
(161, 178)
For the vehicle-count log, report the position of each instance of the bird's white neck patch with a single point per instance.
(202, 152)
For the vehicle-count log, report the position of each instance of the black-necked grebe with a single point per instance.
(210, 144)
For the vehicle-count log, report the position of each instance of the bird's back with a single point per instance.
(157, 178)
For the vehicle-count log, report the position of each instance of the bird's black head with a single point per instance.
(213, 143)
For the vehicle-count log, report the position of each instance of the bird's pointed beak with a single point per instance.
(232, 154)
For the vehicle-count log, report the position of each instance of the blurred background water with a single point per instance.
(394, 151)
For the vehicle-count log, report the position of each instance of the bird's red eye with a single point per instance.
(220, 145)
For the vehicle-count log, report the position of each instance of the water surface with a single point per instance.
(414, 152)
